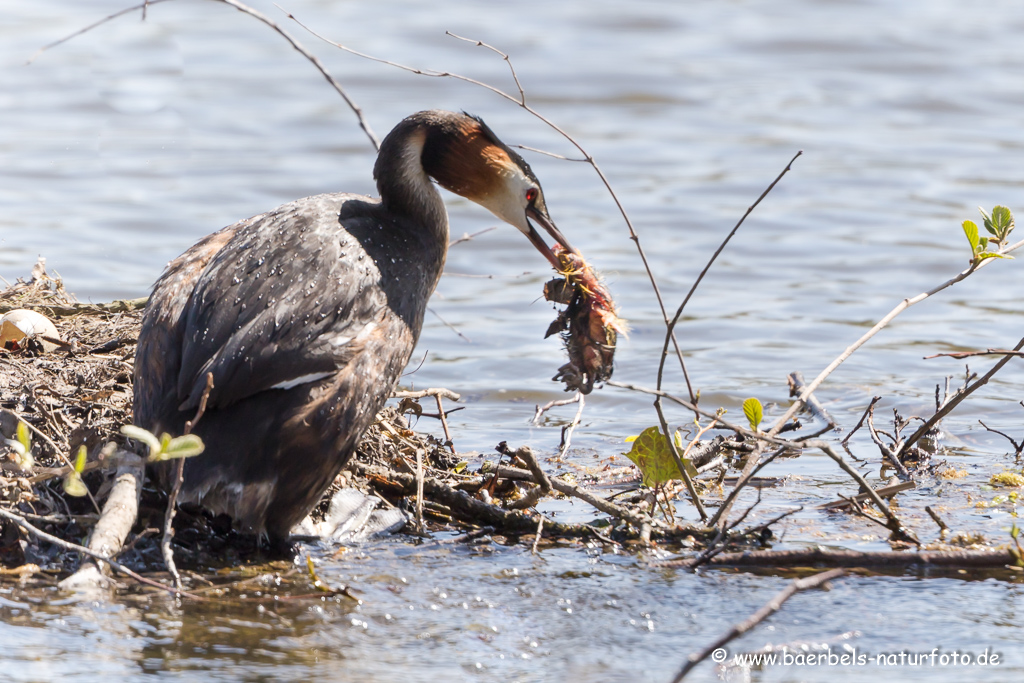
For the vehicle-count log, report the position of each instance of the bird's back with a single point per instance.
(305, 316)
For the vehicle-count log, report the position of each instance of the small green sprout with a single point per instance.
(73, 484)
(21, 445)
(165, 448)
(999, 225)
(754, 412)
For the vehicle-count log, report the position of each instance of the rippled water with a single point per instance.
(121, 148)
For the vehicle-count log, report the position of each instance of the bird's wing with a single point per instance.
(288, 300)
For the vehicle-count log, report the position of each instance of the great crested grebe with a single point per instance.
(306, 316)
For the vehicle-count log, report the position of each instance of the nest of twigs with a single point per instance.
(79, 393)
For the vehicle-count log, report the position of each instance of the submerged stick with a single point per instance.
(770, 608)
(828, 557)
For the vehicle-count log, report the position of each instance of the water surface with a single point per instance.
(121, 148)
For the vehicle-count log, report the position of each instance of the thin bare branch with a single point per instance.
(863, 417)
(423, 393)
(255, 14)
(567, 430)
(450, 326)
(707, 267)
(889, 453)
(895, 525)
(719, 517)
(950, 405)
(1017, 447)
(172, 498)
(479, 43)
(549, 154)
(540, 410)
(797, 383)
(902, 306)
(968, 354)
(74, 547)
(706, 413)
(587, 157)
(467, 237)
(90, 27)
(935, 517)
(680, 465)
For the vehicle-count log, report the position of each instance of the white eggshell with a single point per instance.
(21, 323)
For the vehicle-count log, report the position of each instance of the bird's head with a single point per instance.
(465, 156)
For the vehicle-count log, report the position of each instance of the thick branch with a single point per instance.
(115, 523)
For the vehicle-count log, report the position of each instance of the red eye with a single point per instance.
(531, 194)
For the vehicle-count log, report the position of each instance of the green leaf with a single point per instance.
(183, 447)
(74, 486)
(143, 435)
(652, 455)
(991, 254)
(754, 412)
(971, 230)
(987, 221)
(1002, 221)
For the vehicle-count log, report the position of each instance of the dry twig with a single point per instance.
(172, 498)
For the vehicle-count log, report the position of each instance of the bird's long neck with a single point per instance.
(404, 186)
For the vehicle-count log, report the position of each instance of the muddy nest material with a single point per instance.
(589, 325)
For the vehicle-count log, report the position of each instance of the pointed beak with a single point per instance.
(551, 229)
